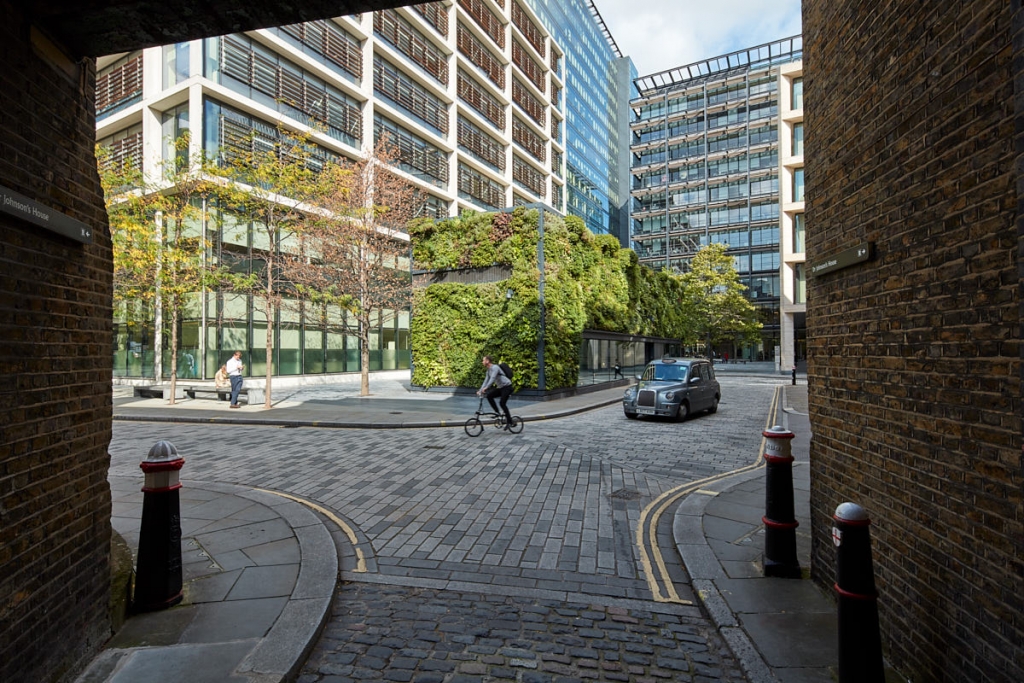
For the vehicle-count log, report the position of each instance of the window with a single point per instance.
(175, 64)
(798, 234)
(798, 139)
(175, 124)
(798, 185)
(799, 284)
(798, 93)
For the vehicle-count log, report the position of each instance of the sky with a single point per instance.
(663, 34)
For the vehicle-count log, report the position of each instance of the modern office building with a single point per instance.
(473, 91)
(717, 157)
(598, 89)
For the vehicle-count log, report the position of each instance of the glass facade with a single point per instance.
(599, 86)
(707, 168)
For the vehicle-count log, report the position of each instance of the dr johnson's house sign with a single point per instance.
(18, 205)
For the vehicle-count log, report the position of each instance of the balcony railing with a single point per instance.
(481, 145)
(402, 90)
(527, 176)
(530, 31)
(532, 70)
(393, 28)
(475, 96)
(491, 24)
(478, 53)
(119, 86)
(436, 15)
(529, 104)
(484, 190)
(331, 42)
(528, 140)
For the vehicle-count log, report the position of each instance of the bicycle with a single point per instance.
(475, 425)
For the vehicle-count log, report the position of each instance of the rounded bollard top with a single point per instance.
(778, 432)
(851, 512)
(162, 451)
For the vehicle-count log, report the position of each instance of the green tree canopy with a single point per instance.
(714, 306)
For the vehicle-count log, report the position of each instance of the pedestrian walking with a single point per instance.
(234, 367)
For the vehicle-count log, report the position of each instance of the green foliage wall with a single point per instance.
(590, 282)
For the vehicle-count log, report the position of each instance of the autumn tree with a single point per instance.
(158, 236)
(714, 305)
(272, 187)
(361, 248)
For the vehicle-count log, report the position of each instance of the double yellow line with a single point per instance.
(651, 559)
(360, 558)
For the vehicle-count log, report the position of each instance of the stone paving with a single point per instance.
(506, 532)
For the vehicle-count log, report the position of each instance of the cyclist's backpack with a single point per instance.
(506, 370)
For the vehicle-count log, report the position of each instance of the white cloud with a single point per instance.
(663, 34)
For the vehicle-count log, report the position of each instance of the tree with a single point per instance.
(714, 305)
(359, 249)
(273, 186)
(157, 235)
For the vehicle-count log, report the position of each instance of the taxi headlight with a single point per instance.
(670, 395)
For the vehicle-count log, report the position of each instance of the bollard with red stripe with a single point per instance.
(860, 644)
(158, 569)
(779, 558)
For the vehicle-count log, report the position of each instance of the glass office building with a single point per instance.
(717, 157)
(599, 85)
(472, 91)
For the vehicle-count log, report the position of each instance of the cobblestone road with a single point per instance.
(504, 557)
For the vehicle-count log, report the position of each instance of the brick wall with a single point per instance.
(914, 367)
(55, 369)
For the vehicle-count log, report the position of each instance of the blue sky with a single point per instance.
(662, 34)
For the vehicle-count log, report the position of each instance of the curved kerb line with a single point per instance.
(360, 559)
(649, 518)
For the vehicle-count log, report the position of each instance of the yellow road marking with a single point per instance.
(360, 559)
(647, 526)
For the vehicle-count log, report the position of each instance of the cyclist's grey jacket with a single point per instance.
(495, 376)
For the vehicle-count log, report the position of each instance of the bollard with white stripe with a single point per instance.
(860, 644)
(158, 568)
(780, 523)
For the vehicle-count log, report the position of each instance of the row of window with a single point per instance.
(677, 103)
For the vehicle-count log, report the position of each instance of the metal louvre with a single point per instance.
(647, 398)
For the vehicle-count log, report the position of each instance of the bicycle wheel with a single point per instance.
(517, 424)
(474, 427)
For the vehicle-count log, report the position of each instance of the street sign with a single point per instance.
(19, 206)
(848, 257)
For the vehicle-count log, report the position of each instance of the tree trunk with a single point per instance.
(174, 352)
(364, 354)
(271, 314)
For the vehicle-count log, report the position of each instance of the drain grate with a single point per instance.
(626, 494)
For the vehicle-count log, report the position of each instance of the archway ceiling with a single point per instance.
(98, 27)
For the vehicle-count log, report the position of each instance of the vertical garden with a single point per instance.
(479, 291)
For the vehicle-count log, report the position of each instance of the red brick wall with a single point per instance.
(55, 369)
(914, 367)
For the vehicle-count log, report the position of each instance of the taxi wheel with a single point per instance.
(683, 412)
(631, 416)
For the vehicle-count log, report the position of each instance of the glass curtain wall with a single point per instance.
(596, 103)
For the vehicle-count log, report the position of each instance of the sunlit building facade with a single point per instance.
(599, 84)
(472, 91)
(717, 157)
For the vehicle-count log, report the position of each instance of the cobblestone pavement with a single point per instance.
(502, 557)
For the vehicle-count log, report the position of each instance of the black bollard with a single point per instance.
(779, 558)
(158, 569)
(860, 644)
(794, 375)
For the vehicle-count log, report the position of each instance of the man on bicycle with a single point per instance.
(500, 385)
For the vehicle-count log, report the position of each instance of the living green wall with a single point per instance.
(590, 282)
